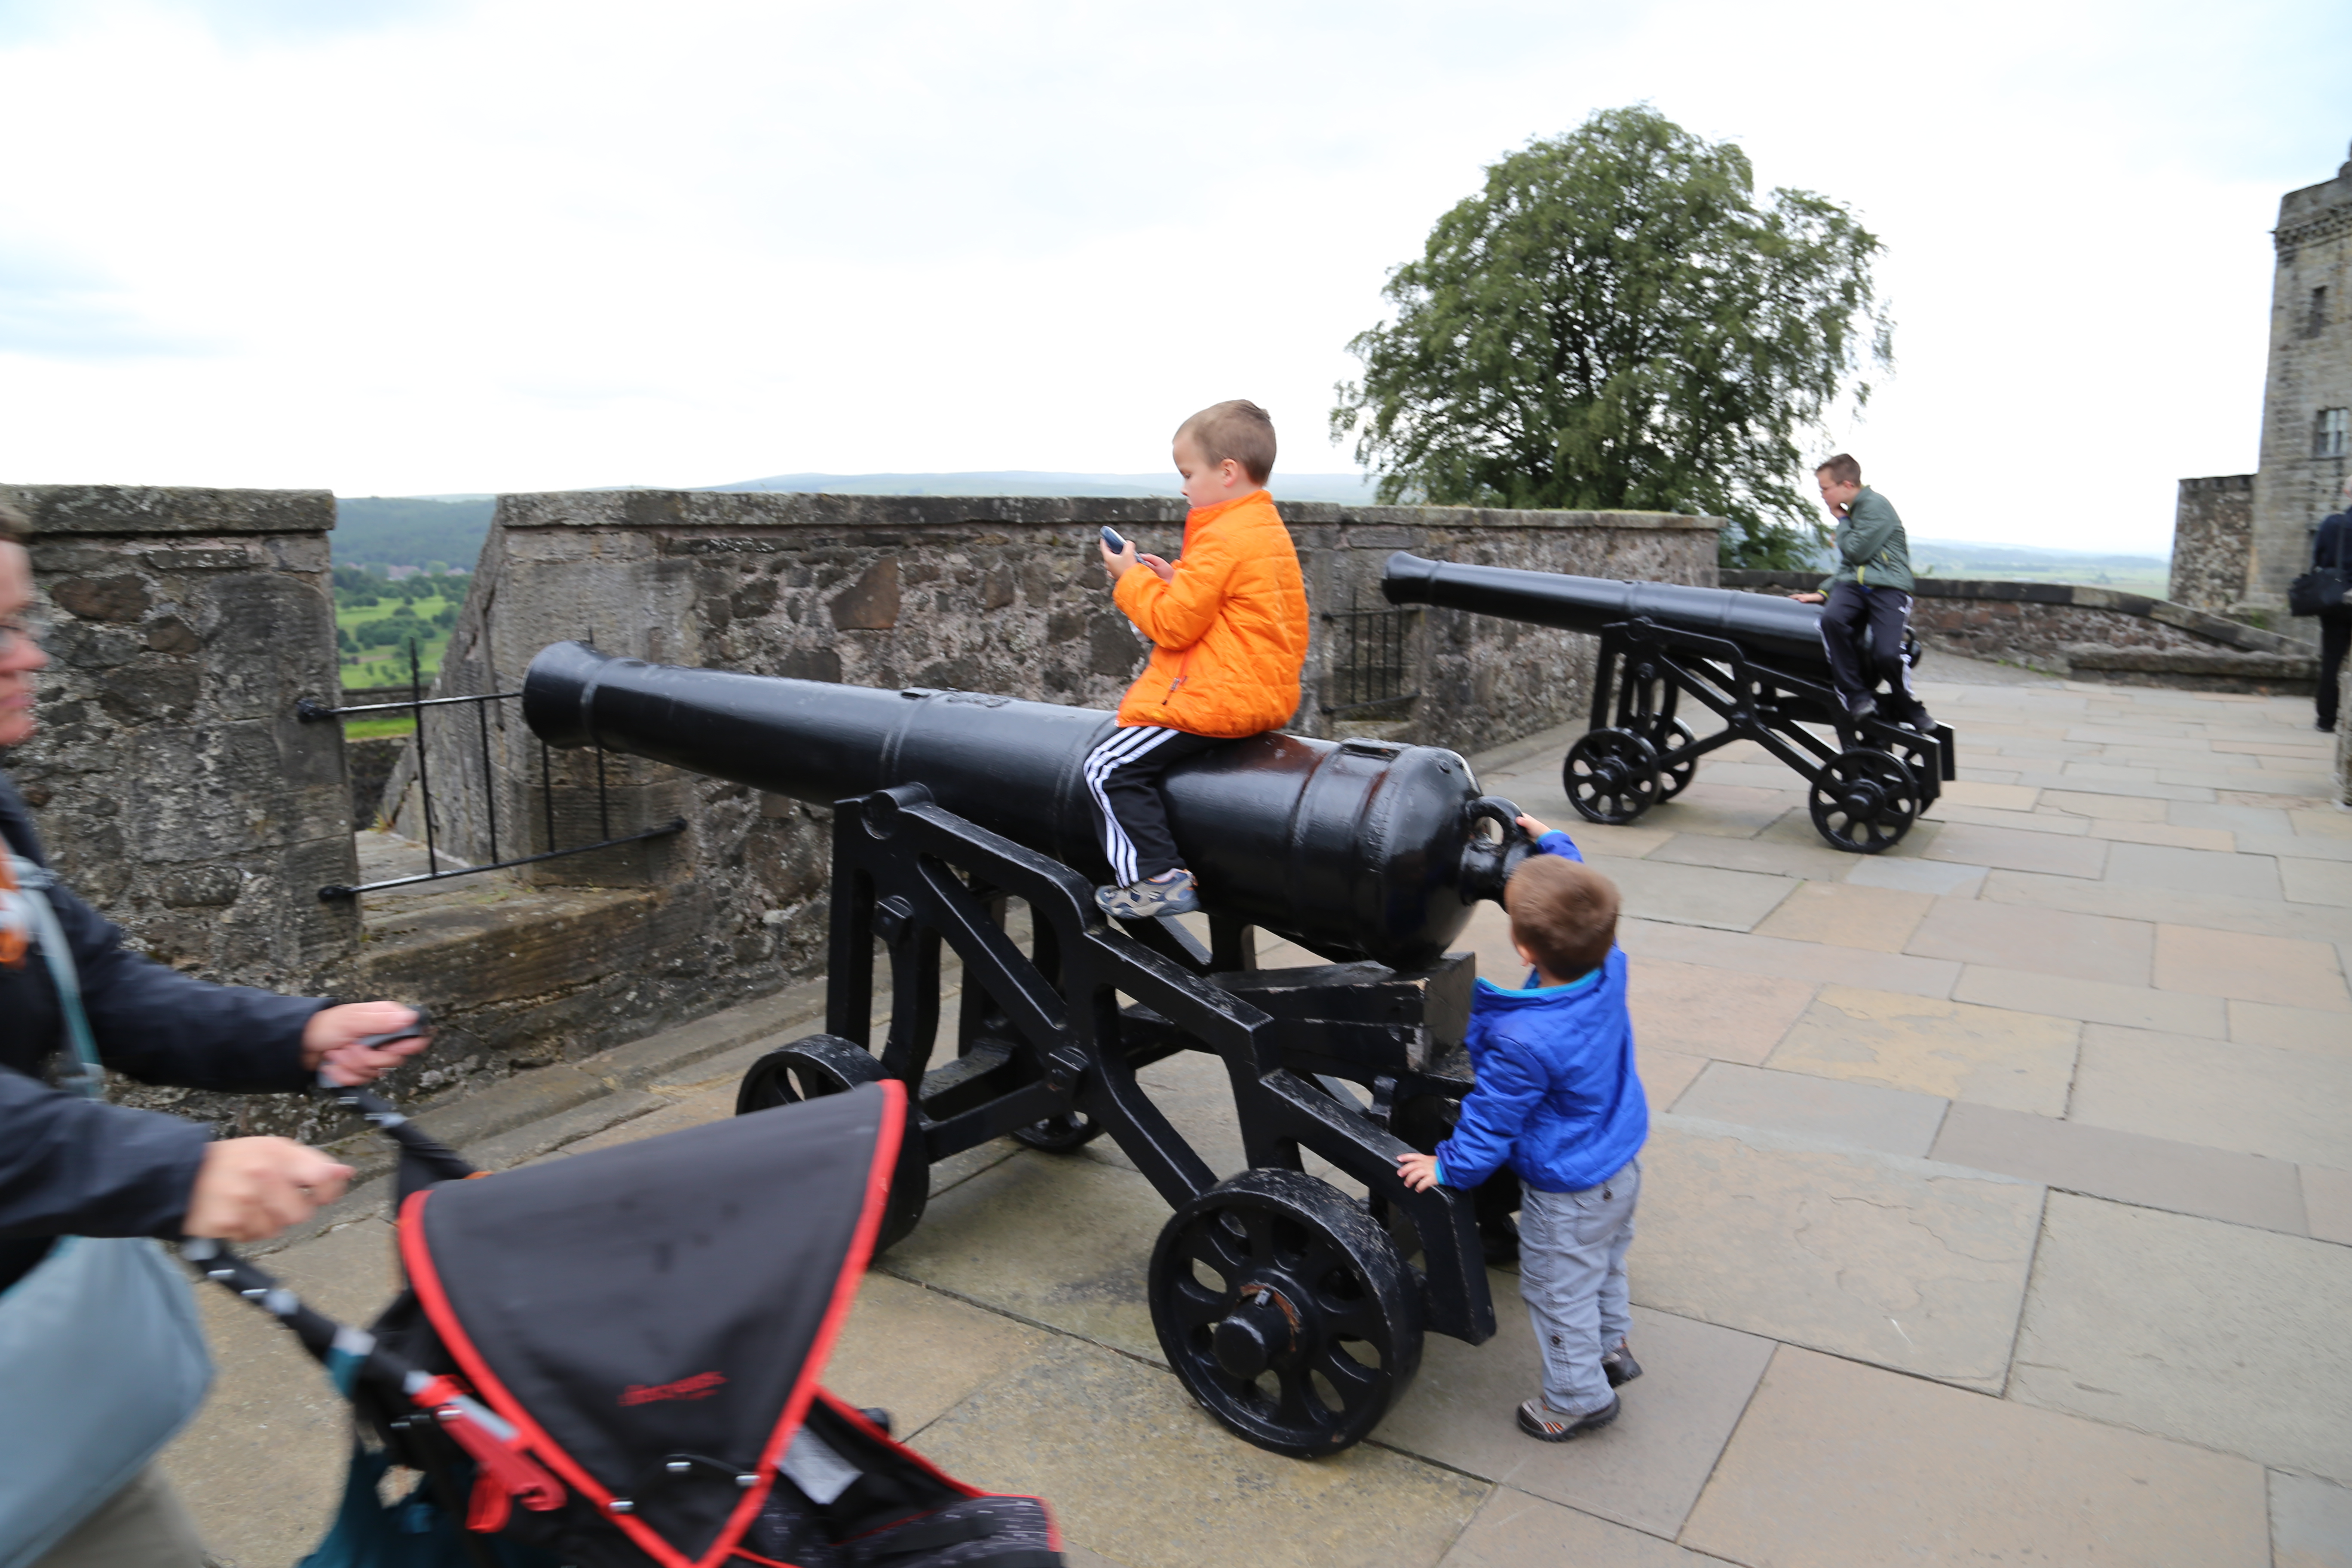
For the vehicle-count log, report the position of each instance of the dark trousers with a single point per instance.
(1882, 613)
(2334, 639)
(1124, 773)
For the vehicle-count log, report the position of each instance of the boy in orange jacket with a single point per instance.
(1228, 627)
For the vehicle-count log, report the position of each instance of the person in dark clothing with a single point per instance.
(74, 1166)
(2332, 546)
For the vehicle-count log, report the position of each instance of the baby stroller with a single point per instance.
(611, 1360)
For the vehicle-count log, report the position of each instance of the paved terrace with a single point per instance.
(1999, 1209)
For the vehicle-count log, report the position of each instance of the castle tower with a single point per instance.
(2306, 448)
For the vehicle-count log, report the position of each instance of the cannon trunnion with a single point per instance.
(1755, 661)
(1293, 1311)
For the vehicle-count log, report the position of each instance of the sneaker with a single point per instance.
(1619, 1365)
(1170, 893)
(1862, 707)
(1541, 1422)
(2327, 724)
(1921, 720)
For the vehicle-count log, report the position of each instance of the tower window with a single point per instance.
(2331, 433)
(2316, 321)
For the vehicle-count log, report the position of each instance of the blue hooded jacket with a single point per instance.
(1557, 1098)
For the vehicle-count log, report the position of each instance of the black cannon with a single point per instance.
(1756, 662)
(1292, 1311)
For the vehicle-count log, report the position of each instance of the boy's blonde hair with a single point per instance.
(1237, 428)
(1564, 913)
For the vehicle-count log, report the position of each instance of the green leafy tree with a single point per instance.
(1615, 323)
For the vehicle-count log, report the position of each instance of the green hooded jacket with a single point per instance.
(1872, 549)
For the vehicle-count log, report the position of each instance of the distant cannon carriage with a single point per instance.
(1290, 1310)
(1755, 661)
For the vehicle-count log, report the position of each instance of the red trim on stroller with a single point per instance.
(425, 1280)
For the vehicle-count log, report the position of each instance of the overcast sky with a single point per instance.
(435, 245)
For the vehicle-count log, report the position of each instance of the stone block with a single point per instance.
(1693, 895)
(2086, 947)
(2216, 1334)
(1820, 1110)
(1706, 1012)
(1516, 1530)
(2261, 969)
(1837, 1464)
(2195, 871)
(2310, 1522)
(1917, 876)
(1900, 1262)
(1645, 1470)
(2011, 849)
(2317, 882)
(2020, 1061)
(2128, 1167)
(2327, 1204)
(1057, 1425)
(2135, 1006)
(2258, 1099)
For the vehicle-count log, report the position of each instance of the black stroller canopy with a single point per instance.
(653, 1318)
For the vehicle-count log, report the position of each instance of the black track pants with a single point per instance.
(1124, 773)
(2334, 639)
(1884, 612)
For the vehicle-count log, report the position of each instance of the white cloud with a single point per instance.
(516, 244)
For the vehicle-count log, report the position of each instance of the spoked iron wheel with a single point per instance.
(1611, 775)
(1864, 801)
(827, 1063)
(1672, 739)
(1059, 1135)
(1285, 1310)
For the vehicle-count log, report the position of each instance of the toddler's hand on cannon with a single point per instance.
(249, 1189)
(1531, 827)
(337, 1040)
(1418, 1171)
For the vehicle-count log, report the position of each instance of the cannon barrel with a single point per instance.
(1353, 848)
(1758, 622)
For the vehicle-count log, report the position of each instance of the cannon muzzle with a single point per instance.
(1352, 848)
(1759, 622)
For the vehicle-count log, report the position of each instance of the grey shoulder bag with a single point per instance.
(102, 1357)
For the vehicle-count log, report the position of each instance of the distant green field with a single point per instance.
(388, 664)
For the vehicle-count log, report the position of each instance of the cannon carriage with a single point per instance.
(1292, 1311)
(1756, 662)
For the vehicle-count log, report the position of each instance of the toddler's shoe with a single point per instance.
(1540, 1421)
(1619, 1365)
(1168, 893)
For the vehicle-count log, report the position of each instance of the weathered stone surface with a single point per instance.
(2019, 1060)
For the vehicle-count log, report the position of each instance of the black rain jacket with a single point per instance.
(73, 1166)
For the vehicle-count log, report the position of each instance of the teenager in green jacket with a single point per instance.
(1871, 587)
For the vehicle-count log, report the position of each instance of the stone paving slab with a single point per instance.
(1765, 854)
(2275, 970)
(1843, 914)
(2257, 1099)
(2135, 1006)
(2317, 882)
(1932, 877)
(1705, 1012)
(1899, 1262)
(2129, 1167)
(1656, 889)
(2327, 1204)
(2207, 1333)
(2009, 849)
(1837, 1465)
(1956, 1051)
(1848, 1115)
(1516, 1530)
(2212, 912)
(2047, 941)
(1137, 1471)
(918, 1353)
(1645, 1470)
(2311, 1524)
(1743, 952)
(2198, 871)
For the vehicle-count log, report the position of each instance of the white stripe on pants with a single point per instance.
(1124, 746)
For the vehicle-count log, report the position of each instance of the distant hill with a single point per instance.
(409, 531)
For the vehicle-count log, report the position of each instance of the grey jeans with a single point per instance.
(1572, 1277)
(143, 1525)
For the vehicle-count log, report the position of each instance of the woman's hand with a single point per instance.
(331, 1041)
(249, 1189)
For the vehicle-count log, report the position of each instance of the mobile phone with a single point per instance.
(1111, 538)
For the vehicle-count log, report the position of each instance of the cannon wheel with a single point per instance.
(1863, 801)
(1285, 1310)
(1611, 775)
(827, 1063)
(1671, 739)
(1059, 1135)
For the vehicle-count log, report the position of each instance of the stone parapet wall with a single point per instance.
(1000, 594)
(2061, 627)
(2211, 532)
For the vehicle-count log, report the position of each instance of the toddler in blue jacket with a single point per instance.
(1558, 1102)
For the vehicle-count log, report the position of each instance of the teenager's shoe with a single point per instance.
(1921, 720)
(1540, 1421)
(1170, 893)
(1862, 707)
(1619, 1365)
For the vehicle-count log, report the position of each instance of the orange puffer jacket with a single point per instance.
(1229, 634)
